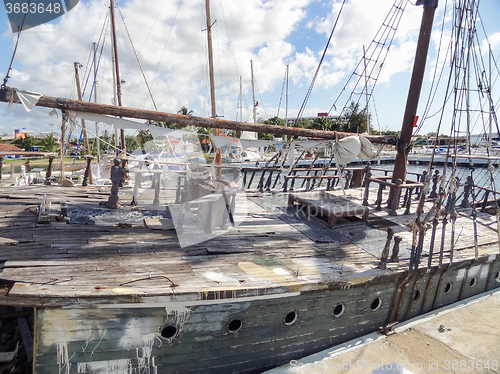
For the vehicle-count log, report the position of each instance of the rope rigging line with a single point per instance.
(433, 92)
(377, 50)
(164, 46)
(308, 94)
(19, 30)
(137, 57)
(281, 96)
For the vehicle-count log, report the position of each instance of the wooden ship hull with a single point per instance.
(113, 291)
(127, 298)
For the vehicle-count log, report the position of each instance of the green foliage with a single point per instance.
(275, 121)
(49, 144)
(143, 137)
(354, 119)
(131, 143)
(322, 123)
(303, 123)
(184, 111)
(26, 143)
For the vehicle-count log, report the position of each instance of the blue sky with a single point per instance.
(169, 39)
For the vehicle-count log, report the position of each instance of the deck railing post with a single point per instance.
(408, 201)
(435, 179)
(378, 203)
(368, 175)
(87, 171)
(385, 251)
(395, 199)
(395, 249)
(467, 190)
(48, 174)
(485, 201)
(421, 180)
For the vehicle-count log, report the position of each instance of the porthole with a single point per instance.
(376, 304)
(417, 295)
(338, 310)
(168, 332)
(448, 287)
(234, 325)
(472, 282)
(290, 318)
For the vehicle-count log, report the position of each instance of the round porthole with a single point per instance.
(338, 310)
(417, 295)
(168, 332)
(234, 325)
(376, 304)
(290, 318)
(472, 282)
(447, 288)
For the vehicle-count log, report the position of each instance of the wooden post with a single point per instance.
(48, 174)
(63, 134)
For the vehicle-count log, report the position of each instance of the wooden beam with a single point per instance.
(82, 106)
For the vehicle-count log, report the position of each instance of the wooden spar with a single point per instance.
(216, 131)
(117, 70)
(82, 106)
(414, 91)
(84, 126)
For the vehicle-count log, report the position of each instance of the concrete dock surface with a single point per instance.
(460, 338)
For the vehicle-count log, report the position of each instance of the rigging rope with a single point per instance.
(383, 38)
(137, 58)
(19, 30)
(302, 108)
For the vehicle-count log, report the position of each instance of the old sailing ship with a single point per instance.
(129, 298)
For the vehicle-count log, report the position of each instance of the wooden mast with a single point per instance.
(84, 125)
(117, 71)
(404, 143)
(216, 131)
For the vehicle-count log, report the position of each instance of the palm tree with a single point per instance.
(49, 144)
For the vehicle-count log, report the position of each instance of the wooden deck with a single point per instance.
(274, 250)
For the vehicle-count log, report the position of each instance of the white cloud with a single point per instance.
(172, 49)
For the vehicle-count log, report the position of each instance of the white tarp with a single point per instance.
(346, 150)
(28, 99)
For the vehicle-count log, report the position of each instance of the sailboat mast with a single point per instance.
(211, 62)
(286, 98)
(97, 139)
(117, 70)
(404, 143)
(253, 95)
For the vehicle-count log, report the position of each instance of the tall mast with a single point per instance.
(253, 95)
(286, 99)
(211, 60)
(403, 147)
(97, 140)
(216, 132)
(117, 70)
(241, 100)
(366, 93)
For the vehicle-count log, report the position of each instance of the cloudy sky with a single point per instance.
(169, 38)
